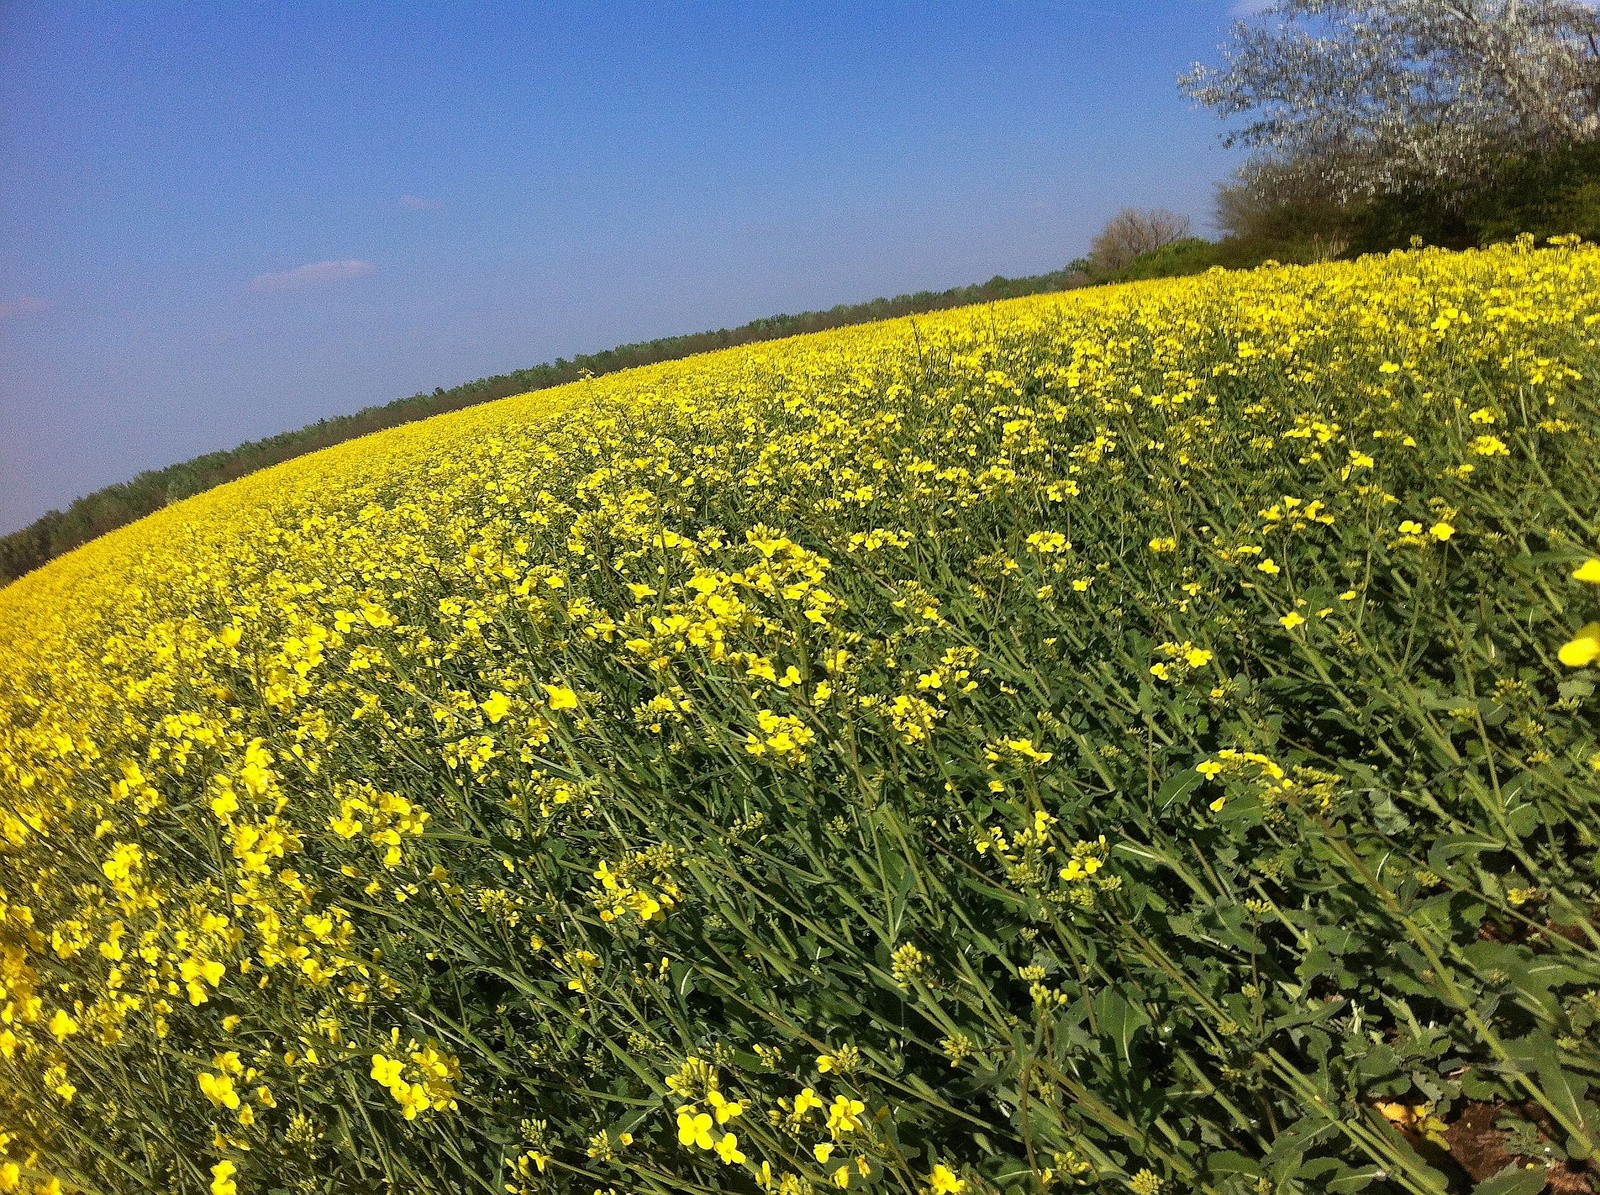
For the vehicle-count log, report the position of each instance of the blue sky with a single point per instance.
(219, 221)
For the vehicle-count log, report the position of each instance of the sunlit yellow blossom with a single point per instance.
(1583, 648)
(219, 1089)
(845, 1115)
(1079, 869)
(726, 1109)
(222, 1182)
(386, 1070)
(674, 705)
(1025, 747)
(694, 1128)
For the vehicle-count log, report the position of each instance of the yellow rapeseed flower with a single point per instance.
(1583, 648)
(473, 695)
(222, 1182)
(694, 1127)
(219, 1089)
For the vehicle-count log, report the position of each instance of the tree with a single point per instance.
(1130, 233)
(1369, 97)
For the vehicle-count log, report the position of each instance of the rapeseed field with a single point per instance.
(1140, 740)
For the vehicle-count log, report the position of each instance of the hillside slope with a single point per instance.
(1117, 741)
(118, 505)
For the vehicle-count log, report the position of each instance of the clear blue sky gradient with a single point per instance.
(522, 181)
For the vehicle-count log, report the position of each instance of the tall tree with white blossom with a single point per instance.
(1366, 97)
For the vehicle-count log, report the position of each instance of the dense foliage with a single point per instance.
(1377, 97)
(118, 505)
(1112, 741)
(1380, 122)
(1547, 195)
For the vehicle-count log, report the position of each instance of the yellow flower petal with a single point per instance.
(1584, 649)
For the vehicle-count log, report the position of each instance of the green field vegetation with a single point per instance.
(1111, 741)
(1554, 194)
(118, 505)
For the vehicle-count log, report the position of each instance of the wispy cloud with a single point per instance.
(24, 306)
(418, 204)
(317, 273)
(1248, 8)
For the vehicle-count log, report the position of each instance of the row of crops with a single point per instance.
(1135, 740)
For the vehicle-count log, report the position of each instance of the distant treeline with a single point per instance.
(117, 505)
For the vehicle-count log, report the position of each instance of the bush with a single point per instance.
(1110, 742)
(1132, 233)
(1554, 194)
(1192, 255)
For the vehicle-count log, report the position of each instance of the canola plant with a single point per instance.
(1134, 740)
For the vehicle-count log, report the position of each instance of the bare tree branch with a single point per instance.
(1132, 232)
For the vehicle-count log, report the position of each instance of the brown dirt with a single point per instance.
(1479, 1147)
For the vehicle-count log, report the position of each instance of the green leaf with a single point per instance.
(1387, 816)
(1573, 690)
(1353, 1179)
(1176, 786)
(1289, 1146)
(1229, 1162)
(1447, 847)
(1514, 1180)
(1566, 1092)
(1119, 1020)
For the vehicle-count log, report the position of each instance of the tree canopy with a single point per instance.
(1367, 97)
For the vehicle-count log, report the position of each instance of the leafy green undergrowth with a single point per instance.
(1110, 742)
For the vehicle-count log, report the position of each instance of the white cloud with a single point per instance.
(317, 273)
(1248, 8)
(24, 306)
(418, 204)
